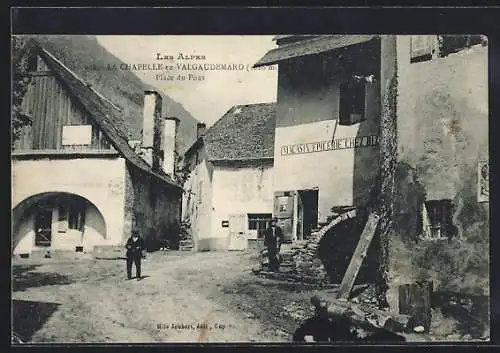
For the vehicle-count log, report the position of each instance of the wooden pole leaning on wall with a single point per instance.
(358, 256)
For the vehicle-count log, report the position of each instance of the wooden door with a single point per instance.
(43, 227)
(237, 236)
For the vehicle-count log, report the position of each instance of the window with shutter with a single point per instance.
(352, 102)
(437, 220)
(449, 44)
(423, 47)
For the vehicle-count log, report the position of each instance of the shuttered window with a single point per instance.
(438, 220)
(422, 47)
(352, 102)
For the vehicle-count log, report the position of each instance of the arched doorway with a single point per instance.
(56, 221)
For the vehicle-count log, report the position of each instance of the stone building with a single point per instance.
(228, 199)
(405, 117)
(78, 183)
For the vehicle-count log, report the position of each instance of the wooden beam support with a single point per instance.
(358, 256)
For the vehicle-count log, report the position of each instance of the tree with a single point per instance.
(181, 171)
(20, 81)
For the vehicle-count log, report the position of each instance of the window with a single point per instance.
(32, 63)
(422, 48)
(259, 222)
(352, 102)
(483, 182)
(427, 47)
(453, 43)
(437, 220)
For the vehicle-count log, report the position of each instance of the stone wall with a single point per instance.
(152, 207)
(442, 134)
(308, 264)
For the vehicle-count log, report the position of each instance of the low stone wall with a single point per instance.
(308, 264)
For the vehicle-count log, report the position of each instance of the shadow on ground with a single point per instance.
(24, 277)
(28, 317)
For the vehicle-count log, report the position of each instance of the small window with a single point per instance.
(422, 48)
(352, 102)
(483, 182)
(437, 220)
(32, 63)
(449, 44)
(259, 222)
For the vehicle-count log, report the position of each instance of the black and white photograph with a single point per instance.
(285, 188)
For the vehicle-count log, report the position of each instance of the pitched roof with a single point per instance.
(245, 132)
(315, 45)
(105, 114)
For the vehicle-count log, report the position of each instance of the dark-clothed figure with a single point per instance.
(134, 246)
(272, 241)
(324, 326)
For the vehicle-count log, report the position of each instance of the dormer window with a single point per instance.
(352, 102)
(32, 63)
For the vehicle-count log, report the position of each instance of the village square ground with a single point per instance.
(184, 297)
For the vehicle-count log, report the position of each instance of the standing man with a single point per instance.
(134, 246)
(272, 241)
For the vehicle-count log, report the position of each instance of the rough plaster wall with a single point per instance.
(240, 191)
(155, 209)
(99, 180)
(128, 205)
(167, 213)
(308, 112)
(199, 213)
(442, 134)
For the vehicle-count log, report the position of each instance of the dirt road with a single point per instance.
(184, 297)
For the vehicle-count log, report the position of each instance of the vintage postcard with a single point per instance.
(236, 188)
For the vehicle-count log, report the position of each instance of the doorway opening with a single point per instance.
(297, 213)
(43, 226)
(307, 213)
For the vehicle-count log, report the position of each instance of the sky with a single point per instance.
(208, 94)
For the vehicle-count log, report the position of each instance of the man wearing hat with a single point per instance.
(134, 246)
(272, 241)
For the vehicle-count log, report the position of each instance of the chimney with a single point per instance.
(151, 128)
(171, 124)
(200, 130)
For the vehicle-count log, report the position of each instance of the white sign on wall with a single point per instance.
(76, 135)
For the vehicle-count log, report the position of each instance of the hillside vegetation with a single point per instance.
(85, 56)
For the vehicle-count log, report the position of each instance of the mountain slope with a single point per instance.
(89, 60)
